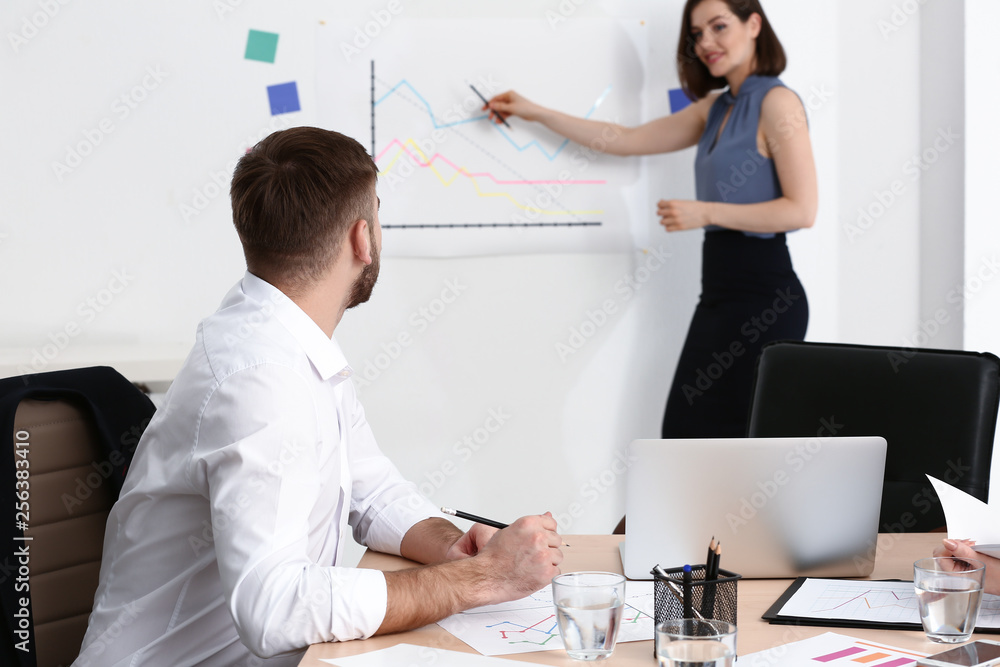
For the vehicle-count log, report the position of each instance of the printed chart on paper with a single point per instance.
(529, 624)
(832, 649)
(878, 601)
(452, 182)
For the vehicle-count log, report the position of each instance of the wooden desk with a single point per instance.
(894, 560)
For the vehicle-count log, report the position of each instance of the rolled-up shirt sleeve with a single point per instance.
(257, 458)
(384, 505)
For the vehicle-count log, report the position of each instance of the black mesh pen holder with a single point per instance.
(713, 598)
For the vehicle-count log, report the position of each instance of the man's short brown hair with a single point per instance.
(295, 195)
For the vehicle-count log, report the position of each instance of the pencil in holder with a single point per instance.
(712, 598)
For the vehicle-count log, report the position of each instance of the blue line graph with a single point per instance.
(565, 141)
(520, 148)
(430, 112)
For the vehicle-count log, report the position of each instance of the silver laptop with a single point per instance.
(781, 507)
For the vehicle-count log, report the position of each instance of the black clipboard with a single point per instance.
(773, 616)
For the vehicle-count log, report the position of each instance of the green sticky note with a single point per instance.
(261, 46)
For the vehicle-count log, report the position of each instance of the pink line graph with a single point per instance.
(464, 172)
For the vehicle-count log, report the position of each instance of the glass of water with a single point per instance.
(949, 591)
(692, 642)
(589, 610)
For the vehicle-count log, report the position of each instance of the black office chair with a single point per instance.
(937, 410)
(71, 435)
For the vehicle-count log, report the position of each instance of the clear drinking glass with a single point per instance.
(589, 610)
(692, 642)
(949, 591)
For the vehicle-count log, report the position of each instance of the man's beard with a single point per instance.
(362, 288)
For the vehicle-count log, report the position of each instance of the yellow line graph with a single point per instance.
(446, 182)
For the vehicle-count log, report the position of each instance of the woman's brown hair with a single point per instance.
(695, 78)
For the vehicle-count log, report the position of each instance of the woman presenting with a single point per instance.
(755, 180)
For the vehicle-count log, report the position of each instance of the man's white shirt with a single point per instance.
(232, 520)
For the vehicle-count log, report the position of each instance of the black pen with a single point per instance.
(711, 575)
(472, 517)
(502, 120)
(478, 519)
(707, 590)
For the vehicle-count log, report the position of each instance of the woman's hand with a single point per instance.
(963, 549)
(677, 215)
(511, 103)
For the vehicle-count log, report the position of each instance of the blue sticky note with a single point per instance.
(284, 98)
(678, 99)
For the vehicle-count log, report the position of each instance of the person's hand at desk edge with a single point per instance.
(480, 567)
(963, 549)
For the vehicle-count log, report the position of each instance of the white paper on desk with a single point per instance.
(850, 600)
(529, 624)
(418, 656)
(832, 649)
(870, 601)
(969, 518)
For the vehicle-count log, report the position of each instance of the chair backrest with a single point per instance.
(70, 501)
(937, 410)
(72, 434)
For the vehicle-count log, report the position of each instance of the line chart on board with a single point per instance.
(452, 181)
(399, 157)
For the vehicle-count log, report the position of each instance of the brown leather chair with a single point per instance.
(70, 501)
(75, 445)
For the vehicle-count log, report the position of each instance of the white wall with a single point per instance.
(982, 171)
(870, 108)
(878, 132)
(942, 174)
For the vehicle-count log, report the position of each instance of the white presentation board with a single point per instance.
(454, 183)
